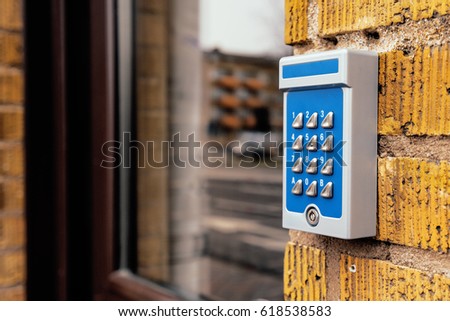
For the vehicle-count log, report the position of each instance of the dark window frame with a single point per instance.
(74, 255)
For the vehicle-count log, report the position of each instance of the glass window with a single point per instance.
(207, 181)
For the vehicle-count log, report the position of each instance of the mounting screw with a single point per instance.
(312, 216)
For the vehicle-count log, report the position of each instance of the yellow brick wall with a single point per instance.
(414, 96)
(414, 202)
(376, 280)
(409, 259)
(12, 224)
(339, 16)
(305, 273)
(295, 22)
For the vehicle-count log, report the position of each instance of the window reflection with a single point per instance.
(208, 224)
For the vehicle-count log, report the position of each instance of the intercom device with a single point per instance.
(330, 137)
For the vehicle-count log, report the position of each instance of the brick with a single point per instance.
(152, 201)
(304, 273)
(153, 251)
(12, 195)
(11, 86)
(11, 123)
(153, 126)
(228, 82)
(414, 203)
(151, 93)
(415, 92)
(11, 14)
(16, 293)
(341, 16)
(374, 280)
(230, 121)
(229, 101)
(296, 21)
(153, 239)
(10, 48)
(151, 30)
(12, 232)
(153, 248)
(154, 6)
(11, 159)
(12, 268)
(151, 62)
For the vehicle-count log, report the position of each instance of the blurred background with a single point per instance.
(223, 235)
(131, 149)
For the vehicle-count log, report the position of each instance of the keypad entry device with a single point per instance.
(330, 142)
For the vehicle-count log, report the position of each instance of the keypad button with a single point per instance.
(328, 121)
(327, 168)
(328, 144)
(298, 121)
(312, 166)
(298, 166)
(312, 144)
(327, 191)
(312, 189)
(312, 121)
(298, 188)
(298, 143)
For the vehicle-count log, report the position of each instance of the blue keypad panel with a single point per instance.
(313, 161)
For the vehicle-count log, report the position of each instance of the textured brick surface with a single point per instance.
(413, 218)
(11, 194)
(415, 92)
(11, 123)
(16, 293)
(152, 62)
(10, 48)
(375, 280)
(11, 159)
(12, 232)
(151, 93)
(296, 21)
(340, 16)
(414, 202)
(12, 222)
(11, 86)
(12, 268)
(151, 30)
(11, 14)
(152, 184)
(304, 273)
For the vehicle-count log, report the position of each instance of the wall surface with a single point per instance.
(152, 122)
(185, 119)
(12, 224)
(409, 258)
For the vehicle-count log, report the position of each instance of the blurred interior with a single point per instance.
(211, 231)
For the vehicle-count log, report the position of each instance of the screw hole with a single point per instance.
(352, 268)
(333, 40)
(372, 35)
(406, 52)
